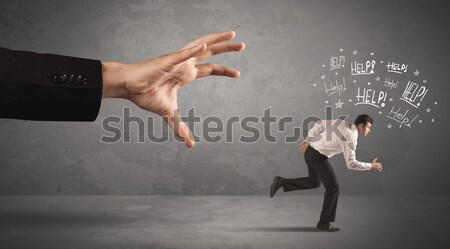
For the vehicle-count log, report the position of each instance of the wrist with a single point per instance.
(114, 80)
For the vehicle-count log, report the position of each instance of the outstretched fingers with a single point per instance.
(209, 69)
(186, 54)
(220, 48)
(212, 39)
(180, 128)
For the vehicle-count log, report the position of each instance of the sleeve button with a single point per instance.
(71, 79)
(58, 79)
(81, 80)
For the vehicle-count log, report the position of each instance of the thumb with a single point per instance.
(375, 160)
(186, 54)
(180, 128)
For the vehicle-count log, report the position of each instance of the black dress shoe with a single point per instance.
(277, 184)
(327, 227)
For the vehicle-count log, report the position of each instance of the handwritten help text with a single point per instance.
(363, 68)
(414, 94)
(401, 117)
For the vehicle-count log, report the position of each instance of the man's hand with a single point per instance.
(303, 146)
(376, 165)
(153, 84)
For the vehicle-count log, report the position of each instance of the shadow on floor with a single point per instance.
(63, 219)
(281, 229)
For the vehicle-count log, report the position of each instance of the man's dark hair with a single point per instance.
(363, 119)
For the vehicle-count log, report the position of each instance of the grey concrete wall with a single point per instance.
(287, 44)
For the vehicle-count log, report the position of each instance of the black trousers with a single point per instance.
(320, 171)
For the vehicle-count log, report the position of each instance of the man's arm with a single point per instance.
(313, 133)
(318, 128)
(49, 87)
(53, 87)
(349, 151)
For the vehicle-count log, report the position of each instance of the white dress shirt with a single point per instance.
(331, 137)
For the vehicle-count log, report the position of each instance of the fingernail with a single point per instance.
(243, 46)
(190, 143)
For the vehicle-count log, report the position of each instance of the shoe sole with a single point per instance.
(272, 188)
(326, 230)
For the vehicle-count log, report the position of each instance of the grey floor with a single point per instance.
(221, 222)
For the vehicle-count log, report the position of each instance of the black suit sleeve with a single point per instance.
(49, 87)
